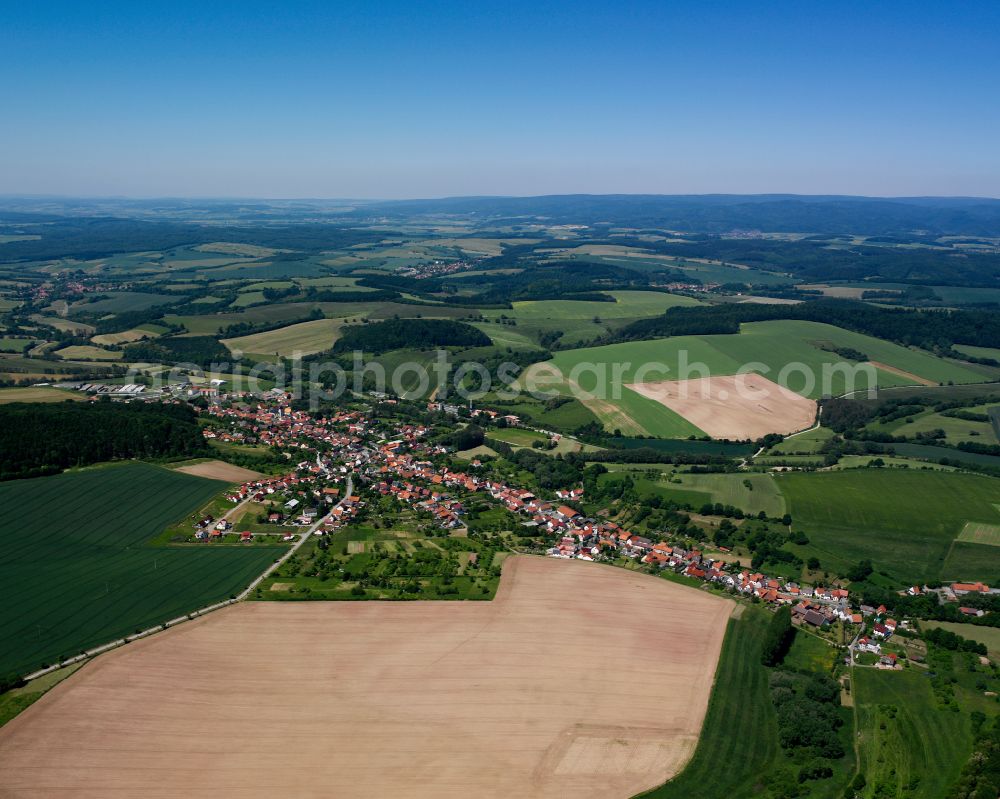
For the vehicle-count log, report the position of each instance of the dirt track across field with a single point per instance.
(220, 470)
(733, 406)
(578, 680)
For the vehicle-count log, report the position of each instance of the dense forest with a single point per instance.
(40, 438)
(933, 330)
(396, 334)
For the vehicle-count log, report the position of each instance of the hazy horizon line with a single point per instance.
(432, 198)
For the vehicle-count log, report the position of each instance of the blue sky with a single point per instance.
(390, 99)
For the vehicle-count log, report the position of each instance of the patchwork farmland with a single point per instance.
(767, 348)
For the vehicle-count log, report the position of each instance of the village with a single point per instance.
(392, 458)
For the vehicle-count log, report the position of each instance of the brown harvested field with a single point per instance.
(733, 406)
(577, 680)
(220, 470)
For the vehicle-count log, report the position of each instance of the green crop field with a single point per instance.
(627, 305)
(810, 653)
(647, 484)
(908, 747)
(859, 461)
(78, 569)
(16, 344)
(581, 321)
(978, 352)
(905, 521)
(567, 416)
(772, 345)
(739, 737)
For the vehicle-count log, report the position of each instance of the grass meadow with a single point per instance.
(762, 494)
(908, 746)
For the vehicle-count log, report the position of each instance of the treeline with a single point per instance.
(396, 334)
(650, 455)
(45, 438)
(807, 706)
(932, 330)
(778, 637)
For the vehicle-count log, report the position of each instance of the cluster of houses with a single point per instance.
(435, 268)
(395, 460)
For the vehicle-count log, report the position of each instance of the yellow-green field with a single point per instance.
(980, 533)
(82, 352)
(38, 394)
(304, 338)
(125, 337)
